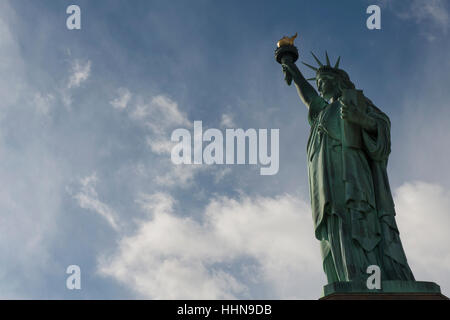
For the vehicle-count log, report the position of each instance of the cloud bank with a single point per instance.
(237, 246)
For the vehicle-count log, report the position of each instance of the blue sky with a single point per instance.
(85, 123)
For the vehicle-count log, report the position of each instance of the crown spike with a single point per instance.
(310, 66)
(317, 60)
(337, 63)
(328, 59)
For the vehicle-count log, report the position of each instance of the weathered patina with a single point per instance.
(347, 154)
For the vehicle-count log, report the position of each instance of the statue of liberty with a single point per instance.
(347, 154)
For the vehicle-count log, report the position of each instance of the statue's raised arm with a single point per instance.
(305, 90)
(286, 54)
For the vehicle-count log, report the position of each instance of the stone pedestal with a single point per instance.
(390, 290)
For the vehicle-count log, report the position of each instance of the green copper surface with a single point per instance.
(352, 206)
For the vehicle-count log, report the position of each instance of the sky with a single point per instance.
(86, 118)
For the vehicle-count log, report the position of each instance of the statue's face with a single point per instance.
(328, 86)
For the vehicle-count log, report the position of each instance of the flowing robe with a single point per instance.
(352, 207)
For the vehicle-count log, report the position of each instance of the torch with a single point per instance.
(286, 50)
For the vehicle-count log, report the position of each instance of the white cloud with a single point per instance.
(88, 199)
(32, 179)
(30, 206)
(43, 102)
(12, 65)
(184, 175)
(423, 219)
(122, 101)
(179, 175)
(434, 11)
(264, 240)
(221, 173)
(160, 144)
(160, 114)
(80, 72)
(157, 203)
(227, 121)
(66, 97)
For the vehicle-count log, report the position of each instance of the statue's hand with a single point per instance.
(289, 68)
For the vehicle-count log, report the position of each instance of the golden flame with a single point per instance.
(286, 41)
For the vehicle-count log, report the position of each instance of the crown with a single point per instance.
(326, 69)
